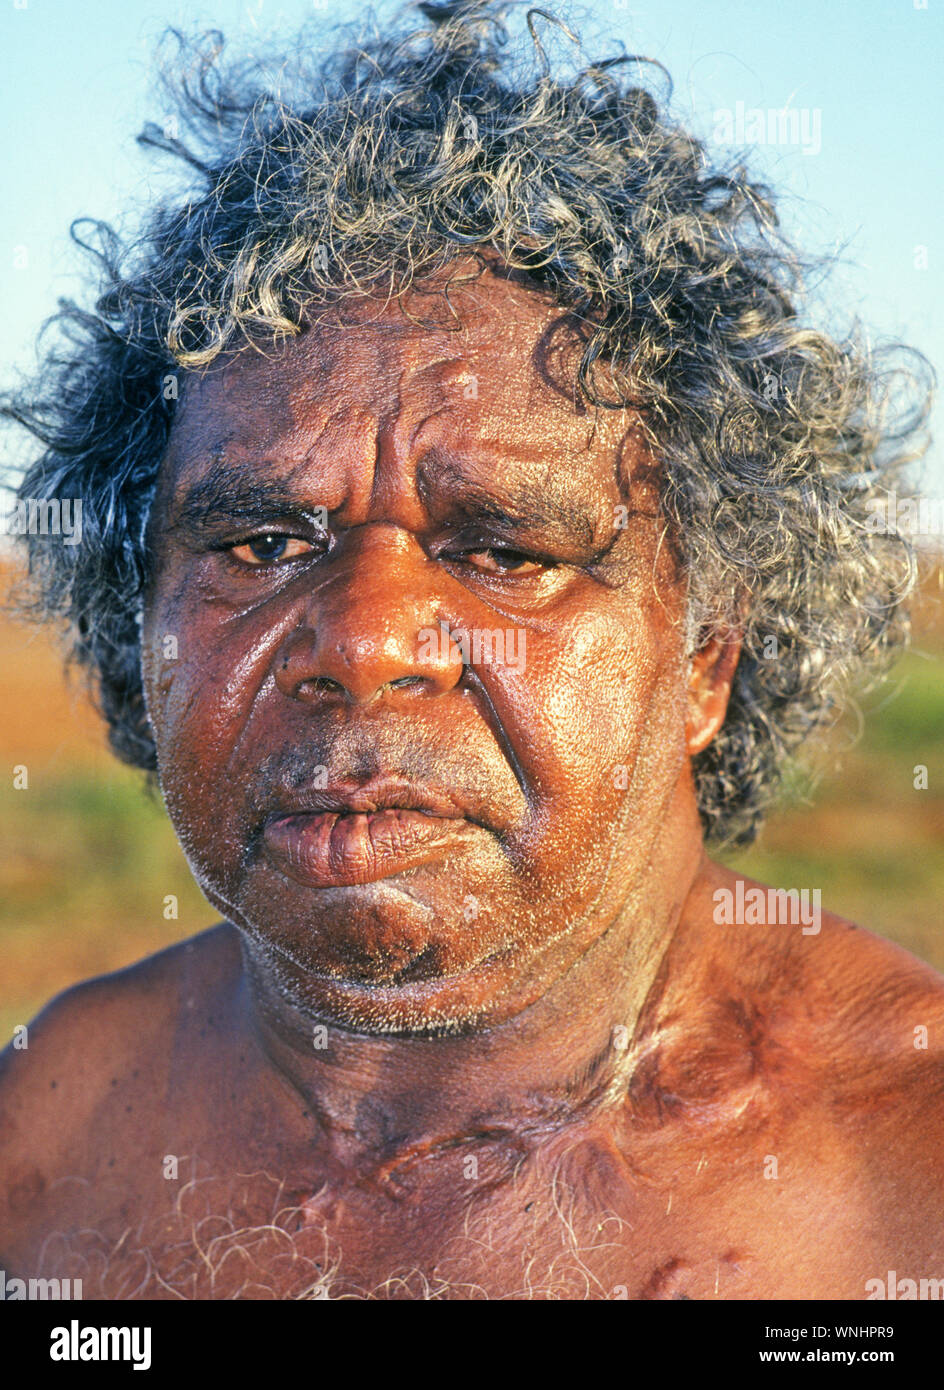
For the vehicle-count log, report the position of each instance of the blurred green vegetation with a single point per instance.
(864, 833)
(90, 860)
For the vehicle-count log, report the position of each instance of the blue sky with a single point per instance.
(862, 172)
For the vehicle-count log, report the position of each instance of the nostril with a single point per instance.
(322, 683)
(406, 680)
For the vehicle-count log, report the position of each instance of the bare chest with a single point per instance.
(577, 1224)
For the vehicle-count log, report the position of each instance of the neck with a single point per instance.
(375, 1097)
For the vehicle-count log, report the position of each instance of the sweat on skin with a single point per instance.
(342, 793)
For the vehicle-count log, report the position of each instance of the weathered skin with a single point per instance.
(546, 1071)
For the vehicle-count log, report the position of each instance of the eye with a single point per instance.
(496, 560)
(268, 548)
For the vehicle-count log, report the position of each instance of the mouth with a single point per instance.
(341, 838)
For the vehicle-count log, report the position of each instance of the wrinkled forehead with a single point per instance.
(493, 369)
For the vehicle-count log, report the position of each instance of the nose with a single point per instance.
(372, 628)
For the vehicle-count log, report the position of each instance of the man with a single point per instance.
(445, 619)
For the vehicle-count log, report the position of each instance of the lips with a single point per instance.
(341, 848)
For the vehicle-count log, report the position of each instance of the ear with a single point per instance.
(709, 688)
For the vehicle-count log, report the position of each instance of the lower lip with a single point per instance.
(329, 850)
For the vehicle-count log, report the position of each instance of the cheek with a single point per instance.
(201, 684)
(609, 698)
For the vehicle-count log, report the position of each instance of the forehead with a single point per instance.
(493, 382)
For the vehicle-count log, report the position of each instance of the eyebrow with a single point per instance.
(233, 491)
(547, 507)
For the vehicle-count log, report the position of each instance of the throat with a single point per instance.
(380, 1102)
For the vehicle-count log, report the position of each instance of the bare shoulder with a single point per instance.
(860, 1018)
(857, 992)
(817, 1057)
(78, 1030)
(95, 1051)
(879, 1008)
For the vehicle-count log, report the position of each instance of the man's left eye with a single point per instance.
(268, 548)
(496, 560)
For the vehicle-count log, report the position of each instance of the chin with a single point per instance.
(378, 959)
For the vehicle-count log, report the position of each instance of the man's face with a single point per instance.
(414, 830)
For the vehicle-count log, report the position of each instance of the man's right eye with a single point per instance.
(269, 548)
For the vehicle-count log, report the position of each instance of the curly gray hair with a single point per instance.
(404, 148)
